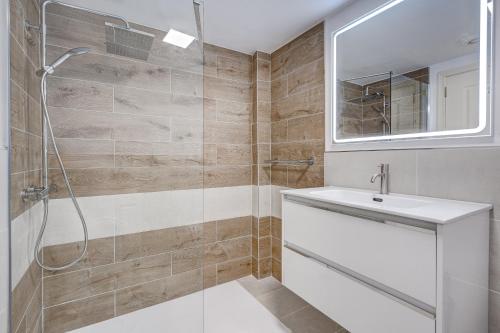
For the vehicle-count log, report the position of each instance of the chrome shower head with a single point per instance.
(73, 52)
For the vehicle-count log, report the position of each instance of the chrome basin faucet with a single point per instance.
(384, 178)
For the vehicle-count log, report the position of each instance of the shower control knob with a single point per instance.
(34, 193)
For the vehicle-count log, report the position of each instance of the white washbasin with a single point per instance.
(367, 198)
(429, 209)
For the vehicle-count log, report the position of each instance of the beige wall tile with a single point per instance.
(17, 205)
(94, 281)
(306, 128)
(276, 269)
(227, 176)
(264, 226)
(264, 247)
(263, 70)
(24, 292)
(234, 228)
(227, 250)
(222, 132)
(276, 227)
(230, 154)
(156, 103)
(184, 83)
(99, 252)
(158, 241)
(186, 283)
(232, 270)
(187, 259)
(306, 77)
(79, 94)
(265, 267)
(72, 315)
(209, 276)
(113, 70)
(301, 104)
(234, 68)
(227, 90)
(230, 111)
(276, 248)
(141, 296)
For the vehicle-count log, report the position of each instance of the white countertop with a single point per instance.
(439, 211)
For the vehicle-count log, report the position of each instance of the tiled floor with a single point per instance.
(244, 306)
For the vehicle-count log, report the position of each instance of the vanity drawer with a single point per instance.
(397, 256)
(357, 307)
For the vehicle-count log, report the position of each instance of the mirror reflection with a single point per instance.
(413, 68)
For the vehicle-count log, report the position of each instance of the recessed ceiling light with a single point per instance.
(178, 38)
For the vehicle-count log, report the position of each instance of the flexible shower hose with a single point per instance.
(43, 91)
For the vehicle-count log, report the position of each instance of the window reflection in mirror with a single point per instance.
(412, 68)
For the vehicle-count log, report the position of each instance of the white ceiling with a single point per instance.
(242, 25)
(409, 36)
(263, 25)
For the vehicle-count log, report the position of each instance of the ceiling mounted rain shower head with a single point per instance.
(73, 52)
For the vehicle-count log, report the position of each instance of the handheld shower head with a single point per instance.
(73, 52)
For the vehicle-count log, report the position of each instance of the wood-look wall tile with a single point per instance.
(209, 276)
(306, 77)
(81, 34)
(141, 296)
(101, 181)
(279, 175)
(227, 250)
(302, 177)
(276, 269)
(33, 313)
(177, 154)
(184, 83)
(227, 90)
(18, 151)
(18, 105)
(73, 315)
(299, 150)
(255, 247)
(16, 11)
(279, 131)
(187, 259)
(230, 154)
(222, 132)
(224, 176)
(301, 104)
(263, 70)
(81, 161)
(307, 51)
(279, 88)
(255, 267)
(263, 112)
(209, 231)
(33, 117)
(230, 111)
(276, 248)
(189, 59)
(155, 103)
(113, 70)
(233, 270)
(17, 205)
(209, 154)
(233, 68)
(265, 267)
(306, 128)
(23, 293)
(158, 241)
(79, 94)
(264, 226)
(34, 158)
(276, 227)
(234, 228)
(183, 284)
(264, 247)
(18, 64)
(100, 279)
(100, 251)
(187, 130)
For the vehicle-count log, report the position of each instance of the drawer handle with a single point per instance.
(402, 298)
(362, 213)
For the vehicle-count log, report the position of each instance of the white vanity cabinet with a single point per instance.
(386, 271)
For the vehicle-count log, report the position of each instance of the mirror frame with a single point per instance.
(484, 128)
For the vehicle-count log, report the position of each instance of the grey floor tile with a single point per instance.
(282, 302)
(259, 287)
(310, 320)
